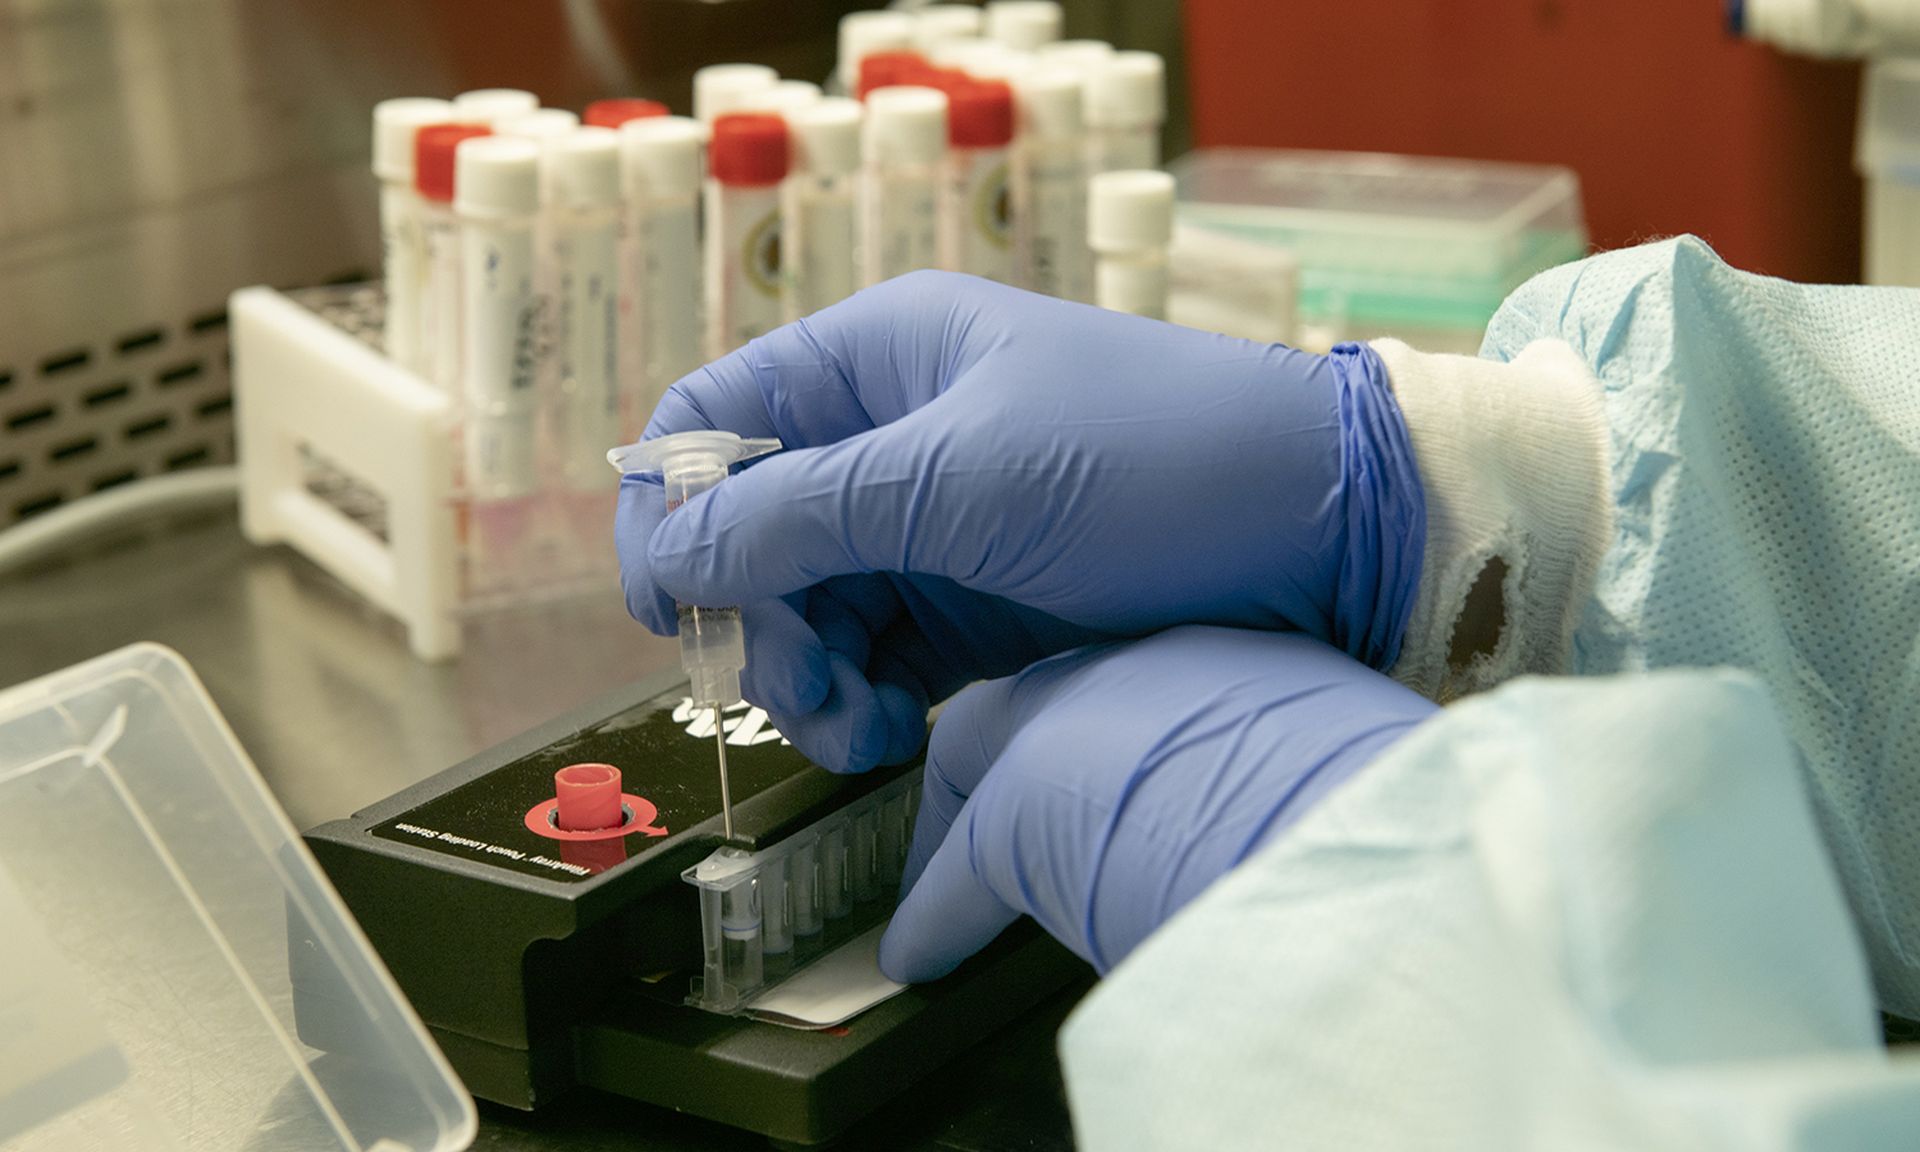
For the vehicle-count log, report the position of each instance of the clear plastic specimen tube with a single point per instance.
(818, 207)
(496, 196)
(904, 145)
(713, 647)
(747, 160)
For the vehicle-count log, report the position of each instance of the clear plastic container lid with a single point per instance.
(1390, 241)
(175, 972)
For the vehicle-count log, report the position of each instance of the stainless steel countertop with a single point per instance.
(319, 687)
(323, 694)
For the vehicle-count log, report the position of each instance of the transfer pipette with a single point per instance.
(713, 646)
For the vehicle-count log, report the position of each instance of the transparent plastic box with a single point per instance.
(175, 973)
(1409, 246)
(764, 915)
(1887, 154)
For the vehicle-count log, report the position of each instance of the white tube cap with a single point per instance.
(1082, 56)
(826, 137)
(539, 124)
(798, 93)
(1051, 102)
(1129, 211)
(718, 88)
(1129, 90)
(937, 23)
(864, 33)
(1024, 24)
(906, 125)
(660, 157)
(992, 60)
(486, 105)
(495, 176)
(394, 125)
(956, 51)
(782, 99)
(583, 168)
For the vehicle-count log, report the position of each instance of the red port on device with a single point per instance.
(589, 797)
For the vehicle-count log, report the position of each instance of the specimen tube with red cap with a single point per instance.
(433, 170)
(978, 215)
(614, 113)
(747, 160)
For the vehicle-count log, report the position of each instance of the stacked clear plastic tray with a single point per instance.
(1411, 246)
(765, 914)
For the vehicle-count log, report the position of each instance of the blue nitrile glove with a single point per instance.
(1101, 790)
(978, 477)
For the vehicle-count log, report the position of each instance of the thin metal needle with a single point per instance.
(726, 795)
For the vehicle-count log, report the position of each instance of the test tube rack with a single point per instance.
(765, 914)
(353, 461)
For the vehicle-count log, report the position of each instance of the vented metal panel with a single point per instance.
(154, 156)
(88, 418)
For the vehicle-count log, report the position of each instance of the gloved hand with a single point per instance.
(978, 477)
(1101, 790)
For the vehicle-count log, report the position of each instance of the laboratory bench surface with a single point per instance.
(322, 692)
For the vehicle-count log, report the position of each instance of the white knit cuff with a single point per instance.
(1513, 458)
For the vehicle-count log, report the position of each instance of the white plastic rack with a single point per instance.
(354, 462)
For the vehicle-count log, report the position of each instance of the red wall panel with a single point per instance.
(1673, 125)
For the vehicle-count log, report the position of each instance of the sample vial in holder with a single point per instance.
(765, 914)
(1050, 186)
(719, 88)
(981, 59)
(539, 124)
(864, 33)
(1082, 56)
(938, 23)
(903, 145)
(396, 123)
(1126, 106)
(819, 207)
(621, 110)
(660, 261)
(892, 69)
(485, 105)
(782, 99)
(747, 160)
(1130, 229)
(583, 196)
(978, 213)
(496, 196)
(1024, 24)
(440, 306)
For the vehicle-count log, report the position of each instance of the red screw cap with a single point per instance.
(749, 148)
(613, 113)
(884, 69)
(980, 114)
(433, 148)
(588, 797)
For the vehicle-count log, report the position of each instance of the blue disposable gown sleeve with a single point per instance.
(1764, 492)
(1566, 913)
